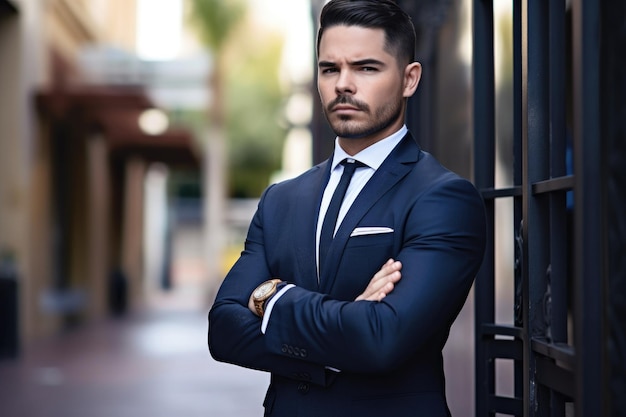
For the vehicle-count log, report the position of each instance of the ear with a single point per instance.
(412, 75)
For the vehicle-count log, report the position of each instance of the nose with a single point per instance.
(345, 83)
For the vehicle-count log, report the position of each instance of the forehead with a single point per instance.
(352, 42)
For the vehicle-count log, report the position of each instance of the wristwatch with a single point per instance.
(264, 292)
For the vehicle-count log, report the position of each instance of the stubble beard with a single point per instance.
(348, 128)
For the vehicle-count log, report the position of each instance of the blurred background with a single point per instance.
(136, 137)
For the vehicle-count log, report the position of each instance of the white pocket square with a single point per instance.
(361, 231)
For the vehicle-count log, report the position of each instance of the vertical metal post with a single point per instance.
(589, 201)
(558, 276)
(519, 368)
(613, 102)
(484, 171)
(557, 284)
(536, 151)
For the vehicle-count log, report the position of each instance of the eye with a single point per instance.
(369, 69)
(329, 70)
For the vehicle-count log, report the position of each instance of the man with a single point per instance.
(356, 323)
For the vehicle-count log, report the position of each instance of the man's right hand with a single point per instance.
(383, 282)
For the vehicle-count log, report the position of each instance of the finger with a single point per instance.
(384, 284)
(384, 270)
(380, 293)
(387, 269)
(389, 273)
(391, 267)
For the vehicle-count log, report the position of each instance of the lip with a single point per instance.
(342, 108)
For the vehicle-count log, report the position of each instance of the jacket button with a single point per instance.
(303, 388)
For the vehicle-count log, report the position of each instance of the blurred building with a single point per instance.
(73, 160)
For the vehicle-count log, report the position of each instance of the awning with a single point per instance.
(114, 112)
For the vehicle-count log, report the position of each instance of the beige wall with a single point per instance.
(69, 25)
(28, 40)
(117, 20)
(72, 24)
(11, 188)
(36, 278)
(98, 224)
(132, 228)
(21, 55)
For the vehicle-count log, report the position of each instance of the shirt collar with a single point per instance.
(374, 155)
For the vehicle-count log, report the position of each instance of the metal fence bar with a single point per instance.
(484, 177)
(554, 281)
(588, 195)
(536, 154)
(558, 215)
(560, 381)
(519, 368)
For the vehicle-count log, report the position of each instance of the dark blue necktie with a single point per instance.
(330, 219)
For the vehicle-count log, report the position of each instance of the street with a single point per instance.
(152, 363)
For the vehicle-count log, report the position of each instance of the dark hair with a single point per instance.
(373, 14)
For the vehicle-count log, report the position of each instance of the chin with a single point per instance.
(355, 133)
(352, 136)
(344, 130)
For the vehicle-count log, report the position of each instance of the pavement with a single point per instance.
(156, 363)
(151, 363)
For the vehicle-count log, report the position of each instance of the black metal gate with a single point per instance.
(565, 344)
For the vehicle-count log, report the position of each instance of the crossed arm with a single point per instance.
(381, 284)
(439, 258)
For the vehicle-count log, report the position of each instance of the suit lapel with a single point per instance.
(397, 165)
(309, 197)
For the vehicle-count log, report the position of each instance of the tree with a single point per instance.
(255, 118)
(215, 21)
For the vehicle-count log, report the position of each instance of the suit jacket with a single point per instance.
(389, 353)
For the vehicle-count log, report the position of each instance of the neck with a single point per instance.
(352, 146)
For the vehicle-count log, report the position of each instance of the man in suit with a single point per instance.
(356, 322)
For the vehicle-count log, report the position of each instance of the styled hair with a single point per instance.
(373, 14)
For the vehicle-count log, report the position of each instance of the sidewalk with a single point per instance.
(151, 364)
(157, 364)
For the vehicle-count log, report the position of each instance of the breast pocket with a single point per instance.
(371, 251)
(371, 239)
(363, 256)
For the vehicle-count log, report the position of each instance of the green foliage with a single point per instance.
(255, 103)
(215, 20)
(249, 63)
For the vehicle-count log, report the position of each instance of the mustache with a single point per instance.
(349, 101)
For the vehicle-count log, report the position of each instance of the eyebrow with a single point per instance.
(362, 62)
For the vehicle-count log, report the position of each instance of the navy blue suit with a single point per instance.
(389, 353)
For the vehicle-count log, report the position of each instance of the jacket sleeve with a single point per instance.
(443, 241)
(235, 332)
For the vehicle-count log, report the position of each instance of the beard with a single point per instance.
(347, 127)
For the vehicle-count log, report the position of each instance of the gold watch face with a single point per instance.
(262, 290)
